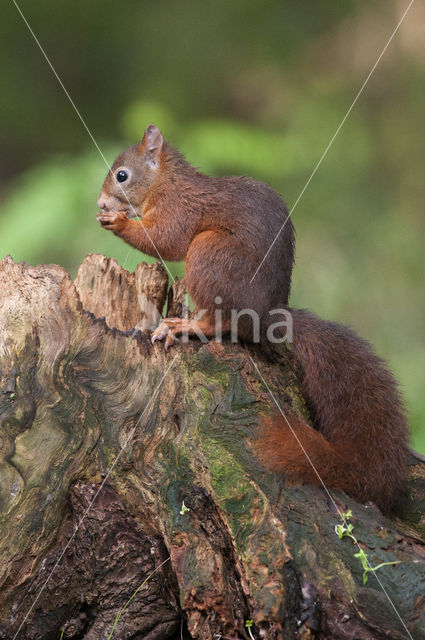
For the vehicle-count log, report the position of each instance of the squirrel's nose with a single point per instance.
(101, 202)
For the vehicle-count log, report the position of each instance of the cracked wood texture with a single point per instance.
(103, 437)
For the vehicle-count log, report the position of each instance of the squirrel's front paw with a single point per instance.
(112, 220)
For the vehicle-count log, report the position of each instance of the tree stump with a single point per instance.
(121, 464)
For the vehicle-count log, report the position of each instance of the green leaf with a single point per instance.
(184, 509)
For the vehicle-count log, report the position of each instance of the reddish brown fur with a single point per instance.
(290, 435)
(355, 403)
(224, 227)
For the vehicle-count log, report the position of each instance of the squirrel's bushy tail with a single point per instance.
(360, 444)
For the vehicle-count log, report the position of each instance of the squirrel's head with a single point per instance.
(133, 173)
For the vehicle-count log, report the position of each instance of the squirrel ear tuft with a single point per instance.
(151, 144)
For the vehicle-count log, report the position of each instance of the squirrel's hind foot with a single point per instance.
(164, 331)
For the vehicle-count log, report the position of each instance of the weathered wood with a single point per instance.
(103, 437)
(178, 304)
(126, 300)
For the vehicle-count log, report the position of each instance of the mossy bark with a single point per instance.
(104, 437)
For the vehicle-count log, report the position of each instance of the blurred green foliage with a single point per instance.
(241, 88)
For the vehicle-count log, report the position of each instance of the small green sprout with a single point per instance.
(362, 555)
(184, 509)
(248, 624)
(345, 530)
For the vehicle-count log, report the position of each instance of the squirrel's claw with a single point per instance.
(169, 340)
(160, 333)
(157, 337)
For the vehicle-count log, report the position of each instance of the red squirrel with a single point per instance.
(223, 228)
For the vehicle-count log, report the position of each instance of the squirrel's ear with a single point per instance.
(151, 144)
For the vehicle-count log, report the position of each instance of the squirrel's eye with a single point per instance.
(122, 176)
